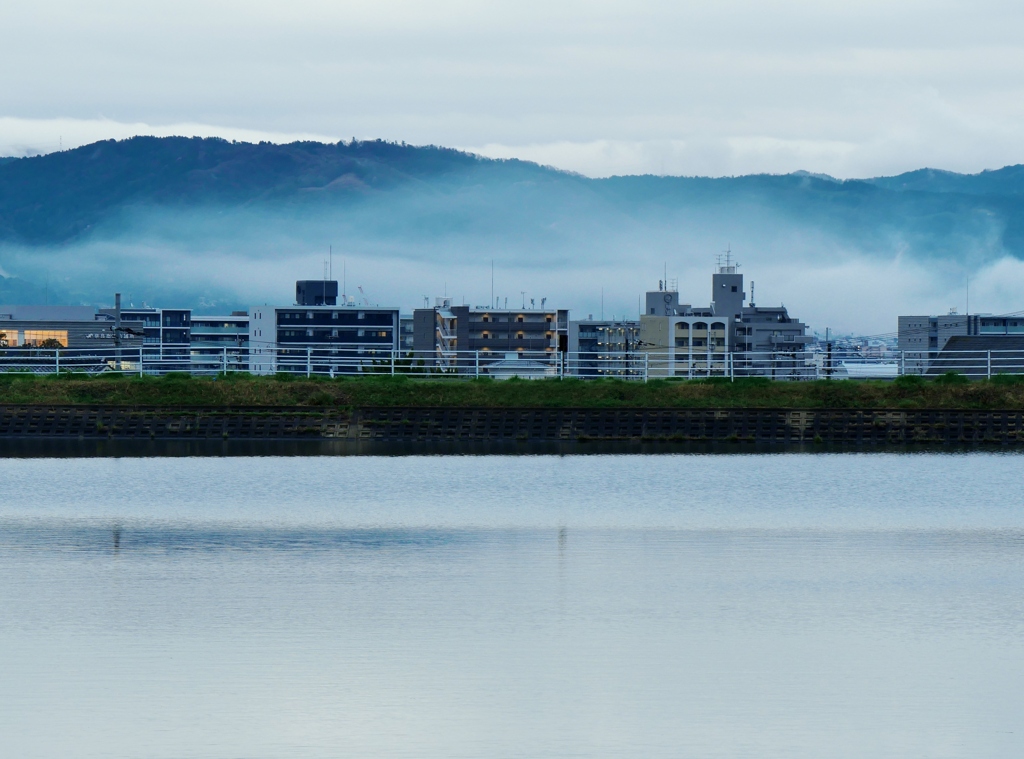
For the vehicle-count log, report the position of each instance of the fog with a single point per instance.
(408, 246)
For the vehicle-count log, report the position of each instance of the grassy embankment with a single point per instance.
(247, 391)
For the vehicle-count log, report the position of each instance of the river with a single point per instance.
(763, 605)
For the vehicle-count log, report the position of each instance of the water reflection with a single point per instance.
(797, 607)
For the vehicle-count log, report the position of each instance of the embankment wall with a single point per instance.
(445, 425)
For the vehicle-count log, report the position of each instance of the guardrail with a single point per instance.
(335, 360)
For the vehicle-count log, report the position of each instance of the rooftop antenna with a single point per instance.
(330, 258)
(492, 283)
(524, 297)
(751, 293)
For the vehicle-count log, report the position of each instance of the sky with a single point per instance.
(599, 87)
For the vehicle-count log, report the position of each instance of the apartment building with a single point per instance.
(322, 338)
(687, 341)
(463, 338)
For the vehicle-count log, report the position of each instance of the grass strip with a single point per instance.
(243, 390)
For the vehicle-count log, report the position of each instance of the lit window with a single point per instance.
(48, 336)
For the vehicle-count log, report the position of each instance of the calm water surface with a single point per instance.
(852, 605)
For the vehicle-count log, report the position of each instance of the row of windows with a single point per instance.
(334, 333)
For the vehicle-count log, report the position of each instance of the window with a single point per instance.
(40, 336)
(309, 333)
(334, 333)
(734, 289)
(362, 333)
(362, 314)
(309, 315)
(334, 314)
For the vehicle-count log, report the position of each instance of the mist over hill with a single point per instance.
(220, 225)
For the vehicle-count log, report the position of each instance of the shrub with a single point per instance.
(952, 378)
(1008, 379)
(909, 382)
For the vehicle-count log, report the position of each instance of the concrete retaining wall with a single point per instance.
(414, 425)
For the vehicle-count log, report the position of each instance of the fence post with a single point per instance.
(903, 363)
(224, 360)
(732, 373)
(646, 358)
(392, 362)
(140, 361)
(988, 365)
(476, 364)
(309, 361)
(56, 360)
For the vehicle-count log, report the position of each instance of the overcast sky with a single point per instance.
(596, 86)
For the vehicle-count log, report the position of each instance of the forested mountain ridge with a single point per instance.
(190, 220)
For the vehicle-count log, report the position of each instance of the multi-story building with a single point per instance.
(604, 348)
(324, 339)
(406, 333)
(220, 343)
(469, 339)
(166, 334)
(687, 341)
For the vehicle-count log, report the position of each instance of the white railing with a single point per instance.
(332, 360)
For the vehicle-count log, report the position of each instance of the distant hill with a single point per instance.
(208, 221)
(58, 197)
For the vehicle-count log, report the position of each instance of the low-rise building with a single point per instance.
(76, 327)
(920, 339)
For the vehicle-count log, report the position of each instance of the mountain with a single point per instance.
(207, 221)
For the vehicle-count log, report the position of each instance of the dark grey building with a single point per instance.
(921, 338)
(316, 292)
(461, 337)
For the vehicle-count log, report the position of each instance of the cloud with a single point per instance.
(598, 87)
